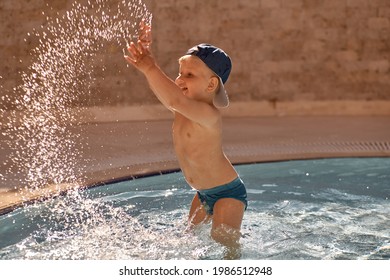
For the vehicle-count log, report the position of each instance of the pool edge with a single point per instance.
(12, 200)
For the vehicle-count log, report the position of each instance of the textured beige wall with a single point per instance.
(282, 50)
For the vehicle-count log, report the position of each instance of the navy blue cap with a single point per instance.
(219, 62)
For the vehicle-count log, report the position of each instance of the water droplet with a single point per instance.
(44, 147)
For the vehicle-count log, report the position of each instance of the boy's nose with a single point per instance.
(179, 81)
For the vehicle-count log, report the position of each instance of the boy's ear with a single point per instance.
(213, 84)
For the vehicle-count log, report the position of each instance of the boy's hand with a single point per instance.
(140, 55)
(145, 34)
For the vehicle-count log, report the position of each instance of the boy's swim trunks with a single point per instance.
(235, 189)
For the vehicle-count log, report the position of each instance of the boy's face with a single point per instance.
(194, 77)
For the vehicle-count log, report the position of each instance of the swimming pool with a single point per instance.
(301, 209)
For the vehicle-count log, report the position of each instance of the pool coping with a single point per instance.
(247, 140)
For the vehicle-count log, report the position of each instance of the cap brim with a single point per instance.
(221, 98)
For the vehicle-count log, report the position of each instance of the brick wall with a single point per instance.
(282, 50)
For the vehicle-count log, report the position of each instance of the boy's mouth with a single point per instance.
(184, 90)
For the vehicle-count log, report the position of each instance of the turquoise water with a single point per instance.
(309, 209)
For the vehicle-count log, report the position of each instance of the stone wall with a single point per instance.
(282, 50)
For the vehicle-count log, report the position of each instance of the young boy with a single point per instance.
(197, 132)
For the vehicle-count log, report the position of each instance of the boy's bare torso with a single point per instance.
(200, 154)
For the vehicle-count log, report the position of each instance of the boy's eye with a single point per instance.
(187, 75)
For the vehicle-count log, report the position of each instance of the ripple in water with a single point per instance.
(146, 218)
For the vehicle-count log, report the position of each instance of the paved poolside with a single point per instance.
(133, 148)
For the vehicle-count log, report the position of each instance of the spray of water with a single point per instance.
(107, 228)
(48, 151)
(44, 146)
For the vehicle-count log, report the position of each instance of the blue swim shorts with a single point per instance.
(235, 189)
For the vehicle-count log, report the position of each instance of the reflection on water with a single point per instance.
(313, 209)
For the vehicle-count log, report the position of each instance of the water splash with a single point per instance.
(292, 218)
(45, 148)
(98, 229)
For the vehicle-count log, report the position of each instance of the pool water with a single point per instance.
(308, 209)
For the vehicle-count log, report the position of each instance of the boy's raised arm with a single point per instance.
(141, 58)
(169, 94)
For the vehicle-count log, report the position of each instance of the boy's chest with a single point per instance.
(191, 135)
(184, 130)
(190, 138)
(189, 141)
